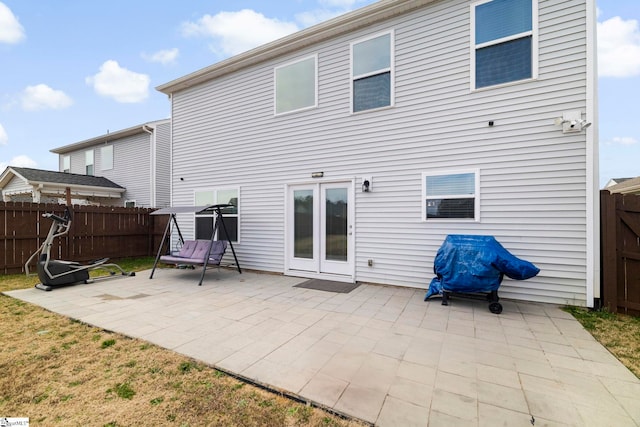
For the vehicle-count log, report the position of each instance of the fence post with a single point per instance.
(608, 204)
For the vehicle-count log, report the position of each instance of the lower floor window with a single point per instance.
(205, 222)
(450, 195)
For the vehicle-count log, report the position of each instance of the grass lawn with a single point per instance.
(57, 371)
(619, 333)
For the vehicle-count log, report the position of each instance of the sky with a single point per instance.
(72, 70)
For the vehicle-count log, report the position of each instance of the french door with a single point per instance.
(320, 230)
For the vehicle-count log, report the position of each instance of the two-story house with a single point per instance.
(353, 147)
(136, 158)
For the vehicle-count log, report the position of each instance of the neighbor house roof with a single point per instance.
(108, 137)
(626, 186)
(56, 183)
(360, 18)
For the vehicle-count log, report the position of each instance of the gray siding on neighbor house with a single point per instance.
(532, 176)
(131, 167)
(163, 165)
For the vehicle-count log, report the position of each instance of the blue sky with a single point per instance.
(75, 69)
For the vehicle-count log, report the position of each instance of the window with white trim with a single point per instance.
(372, 72)
(66, 164)
(296, 85)
(205, 222)
(504, 49)
(451, 195)
(106, 157)
(129, 203)
(88, 162)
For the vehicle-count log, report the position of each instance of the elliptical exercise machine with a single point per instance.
(54, 273)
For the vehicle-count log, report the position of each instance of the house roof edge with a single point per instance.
(368, 15)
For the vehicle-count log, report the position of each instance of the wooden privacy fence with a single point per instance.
(96, 232)
(620, 228)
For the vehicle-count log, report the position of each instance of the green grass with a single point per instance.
(619, 333)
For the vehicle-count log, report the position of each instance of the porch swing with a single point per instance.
(199, 252)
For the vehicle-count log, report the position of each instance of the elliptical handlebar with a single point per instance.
(61, 219)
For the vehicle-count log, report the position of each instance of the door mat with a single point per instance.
(328, 286)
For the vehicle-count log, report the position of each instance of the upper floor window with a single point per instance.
(372, 72)
(106, 157)
(205, 222)
(450, 195)
(88, 162)
(296, 85)
(66, 164)
(504, 42)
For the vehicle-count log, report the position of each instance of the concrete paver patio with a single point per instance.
(378, 353)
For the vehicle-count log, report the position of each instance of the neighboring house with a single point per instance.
(615, 181)
(625, 186)
(137, 158)
(42, 186)
(355, 146)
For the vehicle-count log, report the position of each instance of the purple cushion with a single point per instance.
(187, 249)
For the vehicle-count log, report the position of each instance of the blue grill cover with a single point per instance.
(472, 264)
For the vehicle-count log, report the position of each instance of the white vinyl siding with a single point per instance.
(163, 165)
(131, 166)
(533, 191)
(66, 164)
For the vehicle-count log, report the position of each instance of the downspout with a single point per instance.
(592, 149)
(152, 166)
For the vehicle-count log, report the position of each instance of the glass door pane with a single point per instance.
(336, 224)
(303, 210)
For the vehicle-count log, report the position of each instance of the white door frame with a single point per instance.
(314, 271)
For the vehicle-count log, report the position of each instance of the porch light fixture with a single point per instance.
(366, 184)
(317, 174)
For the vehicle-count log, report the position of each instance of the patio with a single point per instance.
(378, 353)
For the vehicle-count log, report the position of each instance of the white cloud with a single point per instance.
(344, 4)
(166, 56)
(4, 138)
(21, 161)
(618, 48)
(622, 140)
(10, 29)
(42, 97)
(116, 82)
(236, 32)
(313, 17)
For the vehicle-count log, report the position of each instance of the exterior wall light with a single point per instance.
(366, 184)
(572, 122)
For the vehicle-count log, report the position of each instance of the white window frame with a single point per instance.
(390, 70)
(475, 196)
(130, 202)
(215, 191)
(534, 46)
(315, 88)
(89, 160)
(66, 163)
(106, 152)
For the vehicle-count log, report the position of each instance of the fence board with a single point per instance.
(620, 222)
(96, 232)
